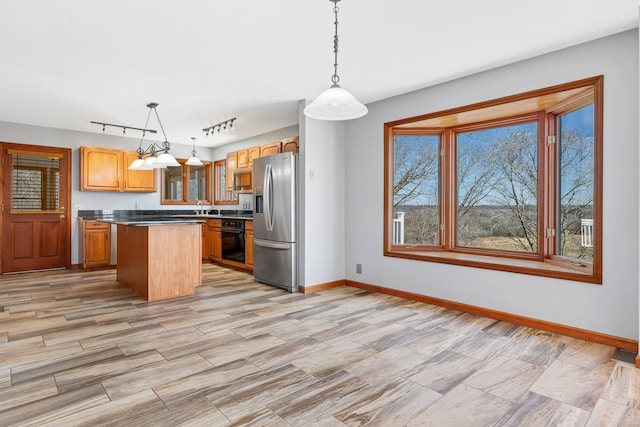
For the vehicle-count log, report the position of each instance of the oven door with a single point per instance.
(233, 244)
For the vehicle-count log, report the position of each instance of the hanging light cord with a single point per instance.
(153, 106)
(193, 153)
(335, 79)
(152, 150)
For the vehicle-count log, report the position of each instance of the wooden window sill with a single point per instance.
(531, 267)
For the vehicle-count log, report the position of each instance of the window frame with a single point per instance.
(186, 169)
(545, 261)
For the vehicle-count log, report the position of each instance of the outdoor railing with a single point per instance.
(398, 229)
(586, 233)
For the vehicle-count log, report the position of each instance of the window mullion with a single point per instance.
(448, 186)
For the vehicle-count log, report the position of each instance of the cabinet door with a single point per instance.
(215, 244)
(248, 249)
(205, 241)
(137, 180)
(254, 153)
(96, 244)
(290, 145)
(270, 148)
(232, 161)
(100, 169)
(243, 159)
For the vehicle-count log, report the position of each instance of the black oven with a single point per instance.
(232, 232)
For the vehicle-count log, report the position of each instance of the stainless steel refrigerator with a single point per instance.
(274, 221)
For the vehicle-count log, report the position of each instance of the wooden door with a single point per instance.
(36, 195)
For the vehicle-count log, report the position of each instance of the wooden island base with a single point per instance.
(160, 261)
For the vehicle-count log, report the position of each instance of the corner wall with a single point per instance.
(611, 308)
(321, 207)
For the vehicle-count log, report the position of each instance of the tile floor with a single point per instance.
(78, 349)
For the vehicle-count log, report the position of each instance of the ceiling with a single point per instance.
(65, 63)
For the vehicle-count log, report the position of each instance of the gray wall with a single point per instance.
(611, 308)
(86, 200)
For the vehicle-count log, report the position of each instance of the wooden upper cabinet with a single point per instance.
(231, 165)
(290, 145)
(254, 153)
(104, 169)
(137, 180)
(270, 148)
(101, 169)
(243, 159)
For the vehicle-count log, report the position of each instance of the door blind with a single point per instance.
(35, 183)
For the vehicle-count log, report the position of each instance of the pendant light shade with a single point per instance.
(137, 163)
(164, 160)
(194, 160)
(335, 103)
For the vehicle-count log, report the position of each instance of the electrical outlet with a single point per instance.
(359, 268)
(312, 174)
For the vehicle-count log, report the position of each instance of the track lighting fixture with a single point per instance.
(124, 128)
(225, 126)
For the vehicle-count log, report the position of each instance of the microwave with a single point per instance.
(243, 180)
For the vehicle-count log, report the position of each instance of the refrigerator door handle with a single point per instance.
(268, 197)
(272, 245)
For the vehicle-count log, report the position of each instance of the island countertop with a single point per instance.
(150, 221)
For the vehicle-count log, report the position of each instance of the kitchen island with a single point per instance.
(159, 259)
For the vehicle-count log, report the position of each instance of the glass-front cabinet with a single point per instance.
(187, 184)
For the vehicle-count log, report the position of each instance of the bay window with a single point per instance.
(512, 184)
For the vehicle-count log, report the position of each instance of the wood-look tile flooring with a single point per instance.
(76, 348)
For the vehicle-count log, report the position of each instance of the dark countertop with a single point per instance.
(115, 216)
(149, 221)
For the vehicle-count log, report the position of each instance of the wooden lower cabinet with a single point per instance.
(214, 239)
(151, 264)
(96, 244)
(248, 244)
(205, 241)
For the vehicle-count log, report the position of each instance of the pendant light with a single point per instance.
(335, 103)
(194, 160)
(152, 162)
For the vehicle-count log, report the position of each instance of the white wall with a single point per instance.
(611, 308)
(322, 187)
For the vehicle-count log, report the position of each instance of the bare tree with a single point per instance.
(415, 164)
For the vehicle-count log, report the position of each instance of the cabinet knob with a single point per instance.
(61, 216)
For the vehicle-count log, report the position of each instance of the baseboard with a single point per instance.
(571, 331)
(321, 286)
